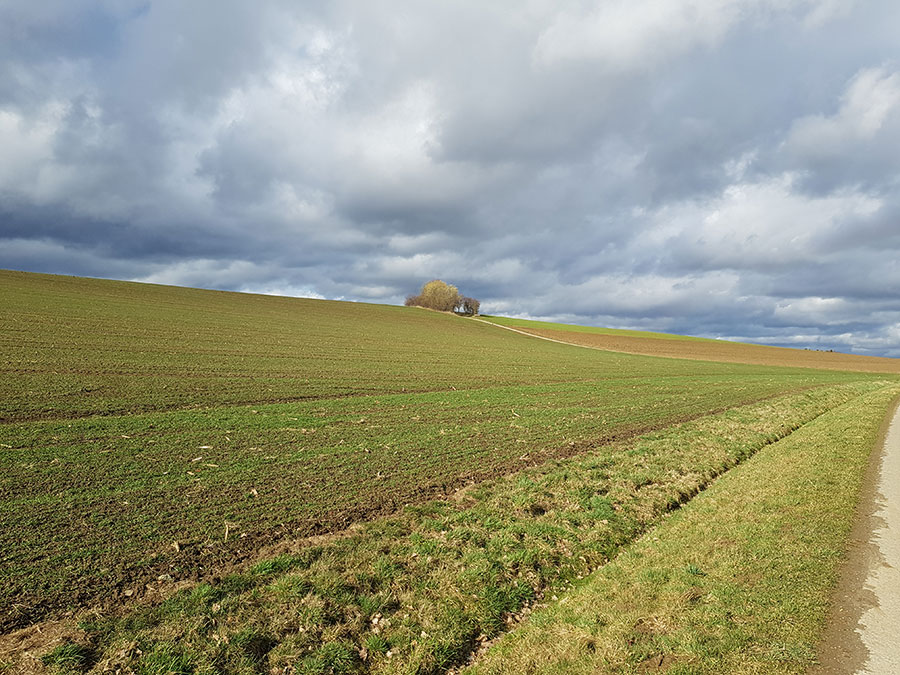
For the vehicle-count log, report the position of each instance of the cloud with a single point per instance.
(627, 36)
(715, 167)
(761, 225)
(855, 143)
(870, 110)
(632, 35)
(27, 144)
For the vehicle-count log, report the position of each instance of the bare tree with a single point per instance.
(469, 306)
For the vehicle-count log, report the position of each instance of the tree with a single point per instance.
(438, 295)
(469, 306)
(443, 297)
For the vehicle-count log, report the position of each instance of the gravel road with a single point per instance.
(864, 631)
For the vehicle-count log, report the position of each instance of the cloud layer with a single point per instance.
(715, 167)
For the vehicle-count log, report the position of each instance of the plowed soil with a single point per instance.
(722, 351)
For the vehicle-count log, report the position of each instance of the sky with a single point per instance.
(723, 168)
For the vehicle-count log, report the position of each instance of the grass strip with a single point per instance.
(418, 592)
(736, 582)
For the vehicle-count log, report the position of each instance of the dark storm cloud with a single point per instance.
(713, 167)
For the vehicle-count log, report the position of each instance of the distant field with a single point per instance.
(530, 325)
(151, 434)
(704, 349)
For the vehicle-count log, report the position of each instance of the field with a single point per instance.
(156, 438)
(703, 349)
(735, 582)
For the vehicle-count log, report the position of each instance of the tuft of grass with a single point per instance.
(376, 644)
(696, 571)
(332, 658)
(165, 659)
(253, 643)
(68, 657)
(276, 565)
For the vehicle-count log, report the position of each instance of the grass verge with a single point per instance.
(419, 591)
(737, 581)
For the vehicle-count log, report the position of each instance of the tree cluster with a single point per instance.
(443, 297)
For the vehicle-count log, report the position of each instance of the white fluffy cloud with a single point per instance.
(27, 150)
(869, 113)
(765, 224)
(631, 35)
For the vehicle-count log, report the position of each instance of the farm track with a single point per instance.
(865, 606)
(539, 336)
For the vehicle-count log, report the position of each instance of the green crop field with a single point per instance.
(154, 436)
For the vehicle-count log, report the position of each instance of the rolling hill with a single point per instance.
(155, 437)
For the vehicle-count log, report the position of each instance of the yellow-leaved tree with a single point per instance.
(443, 297)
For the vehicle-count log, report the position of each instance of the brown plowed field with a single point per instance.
(728, 352)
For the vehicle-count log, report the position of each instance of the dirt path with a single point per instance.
(541, 337)
(864, 624)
